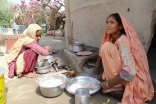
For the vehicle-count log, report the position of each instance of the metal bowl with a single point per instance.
(43, 67)
(52, 85)
(89, 83)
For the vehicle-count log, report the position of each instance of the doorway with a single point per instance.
(152, 57)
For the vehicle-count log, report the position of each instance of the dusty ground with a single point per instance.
(26, 90)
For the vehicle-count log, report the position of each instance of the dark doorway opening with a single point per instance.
(152, 51)
(152, 62)
(153, 43)
(152, 57)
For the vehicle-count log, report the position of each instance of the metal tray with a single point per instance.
(84, 53)
(89, 83)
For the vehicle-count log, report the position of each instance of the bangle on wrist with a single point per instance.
(107, 85)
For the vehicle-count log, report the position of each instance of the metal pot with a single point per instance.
(49, 59)
(82, 96)
(76, 47)
(50, 89)
(43, 67)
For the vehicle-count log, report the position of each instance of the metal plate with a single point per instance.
(89, 83)
(84, 53)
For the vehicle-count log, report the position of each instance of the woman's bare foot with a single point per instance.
(30, 75)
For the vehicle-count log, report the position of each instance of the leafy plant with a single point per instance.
(6, 13)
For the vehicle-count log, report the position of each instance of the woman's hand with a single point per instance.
(103, 85)
(47, 47)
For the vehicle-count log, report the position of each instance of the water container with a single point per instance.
(82, 96)
(2, 87)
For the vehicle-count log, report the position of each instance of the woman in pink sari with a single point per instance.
(125, 62)
(24, 53)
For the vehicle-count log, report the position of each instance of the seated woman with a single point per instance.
(125, 62)
(24, 53)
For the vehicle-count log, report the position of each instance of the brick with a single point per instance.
(9, 43)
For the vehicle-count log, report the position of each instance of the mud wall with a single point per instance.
(89, 17)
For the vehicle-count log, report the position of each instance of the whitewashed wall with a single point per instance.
(89, 16)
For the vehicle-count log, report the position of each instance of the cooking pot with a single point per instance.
(43, 67)
(52, 85)
(82, 96)
(76, 47)
(49, 59)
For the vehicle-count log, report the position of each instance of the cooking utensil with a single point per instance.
(89, 83)
(52, 85)
(84, 53)
(64, 66)
(43, 67)
(62, 71)
(49, 59)
(71, 71)
(82, 96)
(76, 47)
(55, 66)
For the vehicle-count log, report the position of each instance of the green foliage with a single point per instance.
(6, 12)
(39, 18)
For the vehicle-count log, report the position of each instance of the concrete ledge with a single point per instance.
(12, 37)
(78, 62)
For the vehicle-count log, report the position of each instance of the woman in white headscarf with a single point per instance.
(24, 53)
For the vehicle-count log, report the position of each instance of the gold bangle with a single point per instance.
(107, 85)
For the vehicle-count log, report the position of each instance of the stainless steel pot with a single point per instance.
(82, 96)
(49, 59)
(49, 89)
(76, 47)
(43, 67)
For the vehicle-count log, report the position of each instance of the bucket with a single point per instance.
(82, 96)
(2, 87)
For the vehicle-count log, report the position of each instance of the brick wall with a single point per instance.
(10, 40)
(9, 44)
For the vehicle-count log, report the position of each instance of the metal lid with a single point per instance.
(78, 43)
(2, 70)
